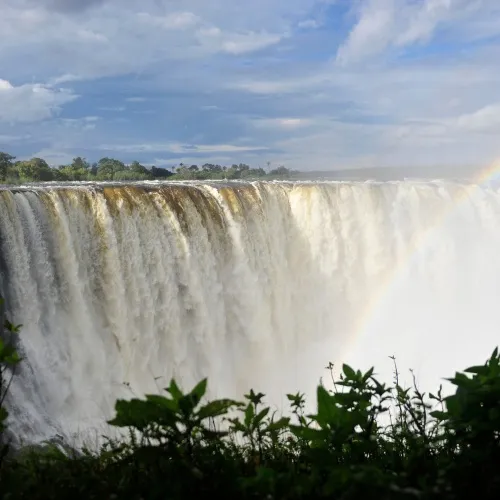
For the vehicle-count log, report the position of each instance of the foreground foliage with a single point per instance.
(182, 446)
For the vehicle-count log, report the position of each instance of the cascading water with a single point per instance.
(259, 285)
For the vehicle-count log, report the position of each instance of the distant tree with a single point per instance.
(34, 170)
(160, 172)
(194, 168)
(107, 167)
(183, 172)
(251, 173)
(6, 162)
(71, 173)
(281, 171)
(137, 168)
(233, 172)
(80, 163)
(63, 173)
(257, 172)
(128, 175)
(212, 168)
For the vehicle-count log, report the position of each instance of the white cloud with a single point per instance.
(416, 112)
(54, 157)
(178, 148)
(372, 32)
(175, 20)
(125, 37)
(382, 24)
(10, 138)
(236, 43)
(5, 85)
(191, 160)
(287, 84)
(282, 123)
(308, 24)
(486, 119)
(65, 78)
(136, 99)
(413, 144)
(65, 5)
(116, 109)
(82, 124)
(31, 102)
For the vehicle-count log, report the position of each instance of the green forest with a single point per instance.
(111, 169)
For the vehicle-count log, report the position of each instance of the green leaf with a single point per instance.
(309, 434)
(260, 416)
(174, 390)
(439, 415)
(199, 391)
(140, 414)
(163, 402)
(215, 408)
(249, 414)
(349, 372)
(13, 359)
(347, 399)
(187, 404)
(368, 374)
(210, 434)
(327, 409)
(478, 370)
(278, 425)
(461, 380)
(3, 414)
(11, 327)
(452, 405)
(8, 354)
(236, 425)
(254, 398)
(494, 414)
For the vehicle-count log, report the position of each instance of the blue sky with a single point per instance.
(311, 84)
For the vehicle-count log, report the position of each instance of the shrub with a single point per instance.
(9, 359)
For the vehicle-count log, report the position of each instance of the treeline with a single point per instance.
(111, 169)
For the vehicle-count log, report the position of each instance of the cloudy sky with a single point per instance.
(312, 84)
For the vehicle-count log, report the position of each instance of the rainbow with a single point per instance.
(421, 241)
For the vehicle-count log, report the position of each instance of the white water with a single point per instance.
(253, 285)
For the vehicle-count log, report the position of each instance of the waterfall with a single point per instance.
(254, 285)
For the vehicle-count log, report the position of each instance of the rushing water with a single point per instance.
(256, 285)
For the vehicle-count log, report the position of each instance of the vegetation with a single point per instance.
(9, 359)
(182, 446)
(110, 169)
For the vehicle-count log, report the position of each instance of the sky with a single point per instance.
(309, 84)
